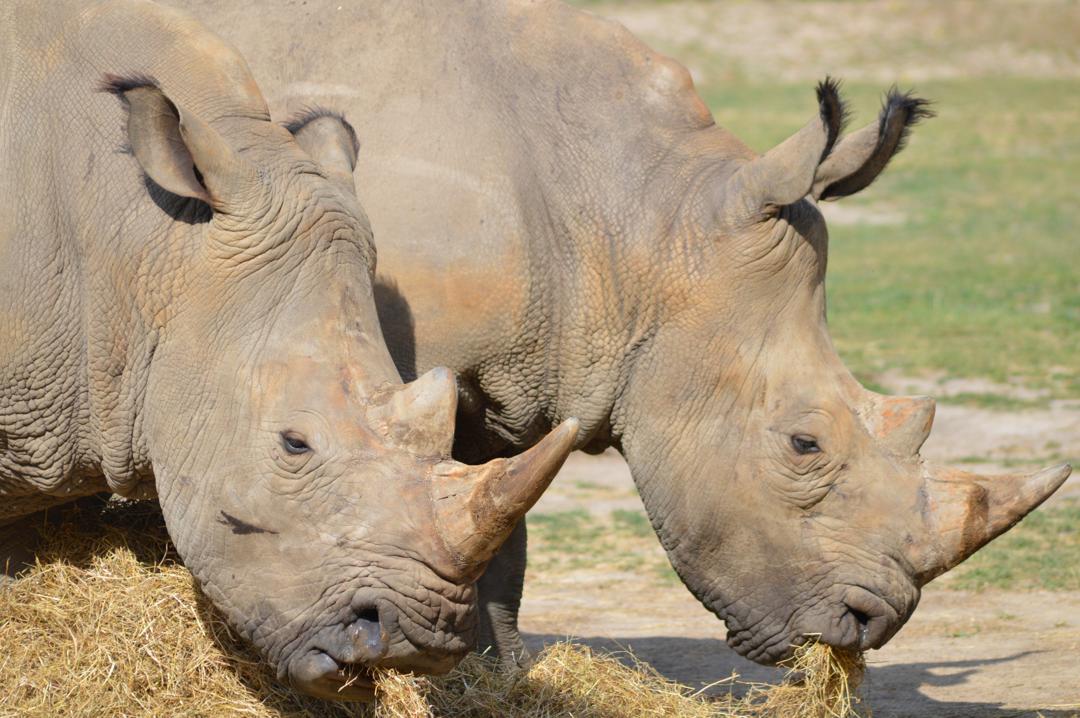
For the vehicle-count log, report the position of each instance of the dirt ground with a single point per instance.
(992, 653)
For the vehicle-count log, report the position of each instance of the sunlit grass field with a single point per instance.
(964, 258)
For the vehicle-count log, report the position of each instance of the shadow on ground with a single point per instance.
(890, 691)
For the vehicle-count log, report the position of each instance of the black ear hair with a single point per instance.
(785, 174)
(862, 156)
(834, 112)
(119, 84)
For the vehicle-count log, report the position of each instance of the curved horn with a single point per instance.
(419, 416)
(476, 507)
(965, 511)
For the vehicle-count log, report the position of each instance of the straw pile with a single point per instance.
(110, 623)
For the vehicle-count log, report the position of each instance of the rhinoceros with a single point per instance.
(595, 245)
(186, 311)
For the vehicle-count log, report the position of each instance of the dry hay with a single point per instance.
(110, 623)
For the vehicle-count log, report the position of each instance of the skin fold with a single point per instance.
(187, 311)
(592, 244)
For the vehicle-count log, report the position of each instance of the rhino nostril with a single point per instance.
(863, 623)
(367, 635)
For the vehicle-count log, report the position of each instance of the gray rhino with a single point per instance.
(596, 246)
(186, 311)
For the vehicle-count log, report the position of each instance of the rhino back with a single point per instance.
(507, 152)
(87, 254)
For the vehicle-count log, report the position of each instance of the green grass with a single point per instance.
(633, 523)
(996, 401)
(980, 277)
(567, 541)
(1042, 552)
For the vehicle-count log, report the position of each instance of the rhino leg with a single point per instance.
(500, 591)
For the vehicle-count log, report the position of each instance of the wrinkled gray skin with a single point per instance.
(186, 310)
(596, 246)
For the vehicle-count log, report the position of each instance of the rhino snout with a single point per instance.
(340, 662)
(317, 674)
(866, 621)
(854, 618)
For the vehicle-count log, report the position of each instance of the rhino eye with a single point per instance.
(804, 444)
(294, 443)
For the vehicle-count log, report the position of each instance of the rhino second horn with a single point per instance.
(965, 511)
(419, 416)
(903, 422)
(476, 507)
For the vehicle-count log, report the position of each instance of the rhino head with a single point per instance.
(310, 493)
(792, 501)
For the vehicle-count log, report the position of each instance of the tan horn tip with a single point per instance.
(532, 472)
(478, 506)
(423, 412)
(1014, 498)
(1042, 484)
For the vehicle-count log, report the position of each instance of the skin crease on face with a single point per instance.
(188, 312)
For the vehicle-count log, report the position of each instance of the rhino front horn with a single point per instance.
(476, 507)
(965, 511)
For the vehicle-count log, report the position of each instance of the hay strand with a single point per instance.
(110, 623)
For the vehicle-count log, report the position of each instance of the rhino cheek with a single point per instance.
(774, 577)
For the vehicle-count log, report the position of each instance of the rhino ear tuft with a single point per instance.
(785, 174)
(863, 155)
(328, 138)
(834, 111)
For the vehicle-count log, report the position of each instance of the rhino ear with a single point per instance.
(861, 156)
(785, 174)
(330, 140)
(179, 151)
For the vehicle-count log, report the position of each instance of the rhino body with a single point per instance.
(592, 244)
(186, 311)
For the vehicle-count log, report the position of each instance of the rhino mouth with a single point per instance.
(320, 675)
(859, 619)
(340, 661)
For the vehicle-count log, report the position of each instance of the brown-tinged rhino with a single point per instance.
(562, 222)
(186, 310)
